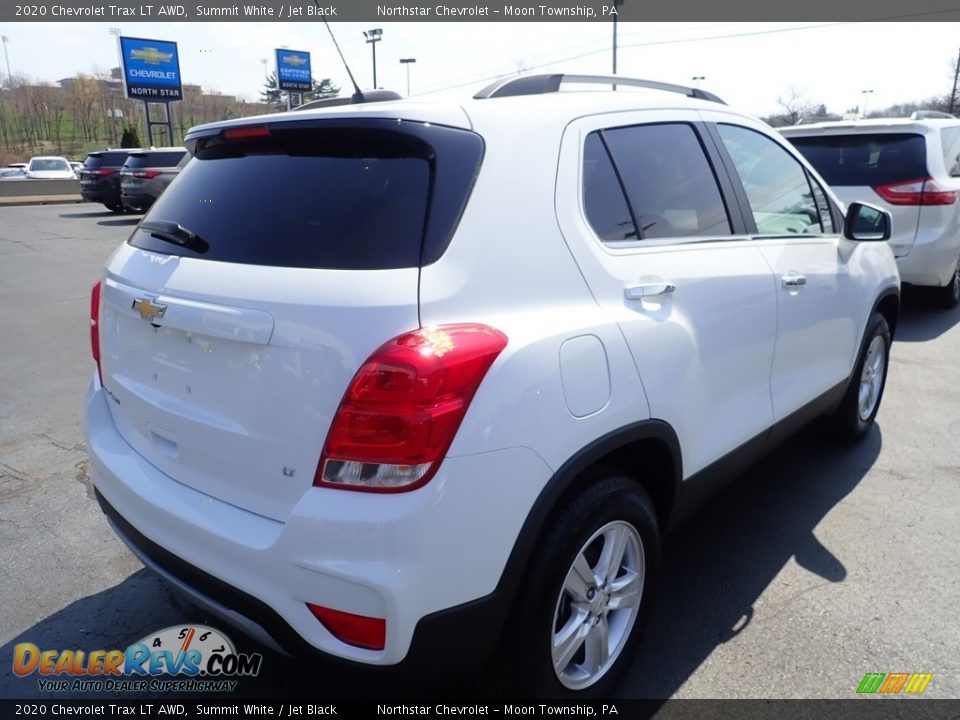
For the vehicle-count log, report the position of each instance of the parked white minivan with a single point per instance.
(910, 167)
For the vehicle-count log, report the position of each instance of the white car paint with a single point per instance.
(206, 429)
(49, 167)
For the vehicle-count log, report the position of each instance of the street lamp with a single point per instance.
(5, 40)
(616, 4)
(373, 37)
(115, 32)
(407, 61)
(865, 93)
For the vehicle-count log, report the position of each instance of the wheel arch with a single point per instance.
(888, 305)
(647, 451)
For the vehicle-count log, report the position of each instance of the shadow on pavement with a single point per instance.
(922, 318)
(143, 604)
(120, 222)
(97, 213)
(718, 563)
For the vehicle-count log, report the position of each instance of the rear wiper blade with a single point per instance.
(175, 233)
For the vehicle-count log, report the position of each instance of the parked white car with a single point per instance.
(50, 168)
(911, 168)
(424, 384)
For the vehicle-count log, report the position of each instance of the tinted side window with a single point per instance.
(823, 205)
(669, 181)
(603, 199)
(777, 187)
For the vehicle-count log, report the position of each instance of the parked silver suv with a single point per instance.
(910, 167)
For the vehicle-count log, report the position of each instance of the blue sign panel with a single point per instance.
(293, 71)
(151, 69)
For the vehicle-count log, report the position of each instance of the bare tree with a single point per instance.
(796, 105)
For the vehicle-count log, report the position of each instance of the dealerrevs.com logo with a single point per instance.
(192, 658)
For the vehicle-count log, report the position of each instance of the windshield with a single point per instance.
(49, 164)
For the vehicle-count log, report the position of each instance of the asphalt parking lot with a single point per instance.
(820, 565)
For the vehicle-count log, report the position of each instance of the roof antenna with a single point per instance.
(358, 94)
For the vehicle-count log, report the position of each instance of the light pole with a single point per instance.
(5, 40)
(616, 4)
(865, 93)
(115, 32)
(373, 37)
(407, 62)
(698, 78)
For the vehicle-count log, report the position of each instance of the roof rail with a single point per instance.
(542, 84)
(930, 115)
(369, 96)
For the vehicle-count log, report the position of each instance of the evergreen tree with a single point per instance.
(130, 137)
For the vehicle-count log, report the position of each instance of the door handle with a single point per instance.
(650, 288)
(793, 280)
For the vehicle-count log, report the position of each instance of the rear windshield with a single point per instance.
(865, 159)
(155, 159)
(343, 198)
(105, 160)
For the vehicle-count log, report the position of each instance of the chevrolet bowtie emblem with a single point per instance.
(150, 55)
(148, 310)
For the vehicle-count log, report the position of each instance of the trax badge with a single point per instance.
(148, 310)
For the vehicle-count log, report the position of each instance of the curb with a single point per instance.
(40, 200)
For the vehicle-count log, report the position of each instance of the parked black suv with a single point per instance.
(146, 174)
(100, 178)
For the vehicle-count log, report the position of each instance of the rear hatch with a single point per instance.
(241, 307)
(887, 169)
(142, 167)
(100, 165)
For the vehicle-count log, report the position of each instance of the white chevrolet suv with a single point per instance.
(911, 168)
(416, 384)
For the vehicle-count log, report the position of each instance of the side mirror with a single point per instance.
(867, 223)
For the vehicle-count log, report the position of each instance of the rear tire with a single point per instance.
(949, 295)
(856, 412)
(585, 598)
(115, 208)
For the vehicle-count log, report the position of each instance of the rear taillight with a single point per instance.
(99, 173)
(921, 191)
(358, 630)
(148, 174)
(403, 407)
(95, 326)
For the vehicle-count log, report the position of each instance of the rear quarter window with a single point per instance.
(865, 159)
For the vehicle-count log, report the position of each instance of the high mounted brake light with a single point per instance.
(246, 132)
(404, 406)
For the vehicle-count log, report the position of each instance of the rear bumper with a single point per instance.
(104, 192)
(136, 201)
(428, 561)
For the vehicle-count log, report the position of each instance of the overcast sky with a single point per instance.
(750, 65)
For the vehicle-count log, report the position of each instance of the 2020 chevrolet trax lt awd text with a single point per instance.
(406, 383)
